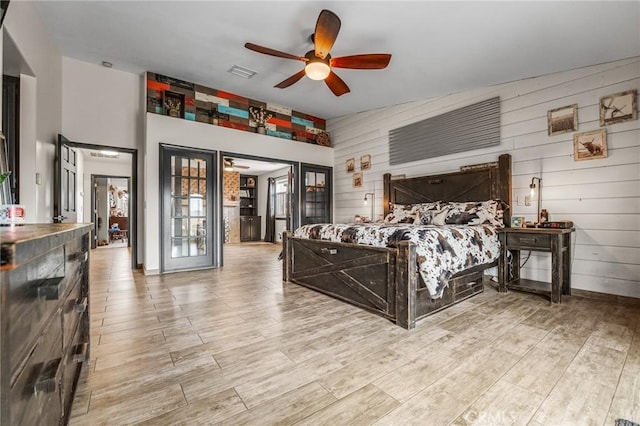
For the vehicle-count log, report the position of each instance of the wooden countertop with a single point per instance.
(20, 244)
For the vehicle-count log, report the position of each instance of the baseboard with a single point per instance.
(150, 271)
(613, 298)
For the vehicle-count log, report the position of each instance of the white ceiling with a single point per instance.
(438, 47)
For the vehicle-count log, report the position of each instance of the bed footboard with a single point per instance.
(361, 275)
(381, 280)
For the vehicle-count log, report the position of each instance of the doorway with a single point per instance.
(99, 160)
(258, 199)
(110, 211)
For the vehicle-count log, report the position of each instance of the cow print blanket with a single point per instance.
(442, 251)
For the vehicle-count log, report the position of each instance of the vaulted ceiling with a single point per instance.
(438, 48)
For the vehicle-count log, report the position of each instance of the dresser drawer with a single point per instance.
(77, 353)
(529, 240)
(36, 394)
(74, 307)
(34, 296)
(467, 285)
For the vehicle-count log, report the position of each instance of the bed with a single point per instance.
(389, 280)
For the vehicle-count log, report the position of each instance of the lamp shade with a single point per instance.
(317, 70)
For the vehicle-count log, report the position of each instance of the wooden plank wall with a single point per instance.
(601, 196)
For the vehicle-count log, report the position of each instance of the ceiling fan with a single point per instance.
(230, 166)
(319, 62)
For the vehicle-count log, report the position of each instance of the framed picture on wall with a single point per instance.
(365, 162)
(619, 107)
(590, 145)
(357, 180)
(563, 119)
(351, 165)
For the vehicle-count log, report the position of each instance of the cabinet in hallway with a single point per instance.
(249, 219)
(250, 228)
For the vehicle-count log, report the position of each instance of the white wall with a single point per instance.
(42, 99)
(164, 129)
(602, 197)
(262, 202)
(102, 106)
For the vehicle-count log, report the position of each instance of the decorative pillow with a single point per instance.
(475, 213)
(434, 217)
(403, 214)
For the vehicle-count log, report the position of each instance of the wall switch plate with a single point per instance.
(527, 200)
(38, 179)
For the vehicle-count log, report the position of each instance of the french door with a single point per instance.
(315, 196)
(187, 185)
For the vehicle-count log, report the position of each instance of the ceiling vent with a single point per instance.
(242, 71)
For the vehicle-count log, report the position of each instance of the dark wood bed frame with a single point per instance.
(386, 280)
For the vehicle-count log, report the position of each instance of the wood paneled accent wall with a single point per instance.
(190, 101)
(602, 197)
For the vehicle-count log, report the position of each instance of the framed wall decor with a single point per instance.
(357, 180)
(365, 162)
(562, 120)
(619, 107)
(351, 165)
(590, 145)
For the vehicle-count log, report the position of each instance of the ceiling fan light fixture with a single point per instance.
(317, 70)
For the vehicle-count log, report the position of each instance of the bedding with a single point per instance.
(441, 251)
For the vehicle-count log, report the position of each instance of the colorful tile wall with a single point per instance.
(181, 99)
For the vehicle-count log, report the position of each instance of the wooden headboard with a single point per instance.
(490, 183)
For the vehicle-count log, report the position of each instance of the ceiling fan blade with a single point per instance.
(327, 29)
(335, 83)
(273, 52)
(370, 61)
(291, 80)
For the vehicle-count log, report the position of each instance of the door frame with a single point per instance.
(133, 192)
(295, 165)
(216, 205)
(93, 205)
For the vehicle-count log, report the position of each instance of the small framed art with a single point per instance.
(351, 165)
(365, 162)
(590, 145)
(563, 120)
(619, 107)
(357, 180)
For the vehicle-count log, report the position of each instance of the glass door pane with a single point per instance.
(187, 213)
(316, 194)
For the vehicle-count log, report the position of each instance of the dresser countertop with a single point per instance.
(20, 244)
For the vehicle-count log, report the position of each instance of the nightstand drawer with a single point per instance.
(528, 240)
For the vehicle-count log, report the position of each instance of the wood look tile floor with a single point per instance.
(236, 346)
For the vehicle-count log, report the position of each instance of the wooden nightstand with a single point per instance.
(555, 241)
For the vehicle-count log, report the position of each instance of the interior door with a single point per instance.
(290, 207)
(64, 204)
(315, 196)
(187, 185)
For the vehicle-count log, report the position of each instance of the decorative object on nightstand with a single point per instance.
(556, 241)
(533, 193)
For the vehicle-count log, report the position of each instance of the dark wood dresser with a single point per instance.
(44, 320)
